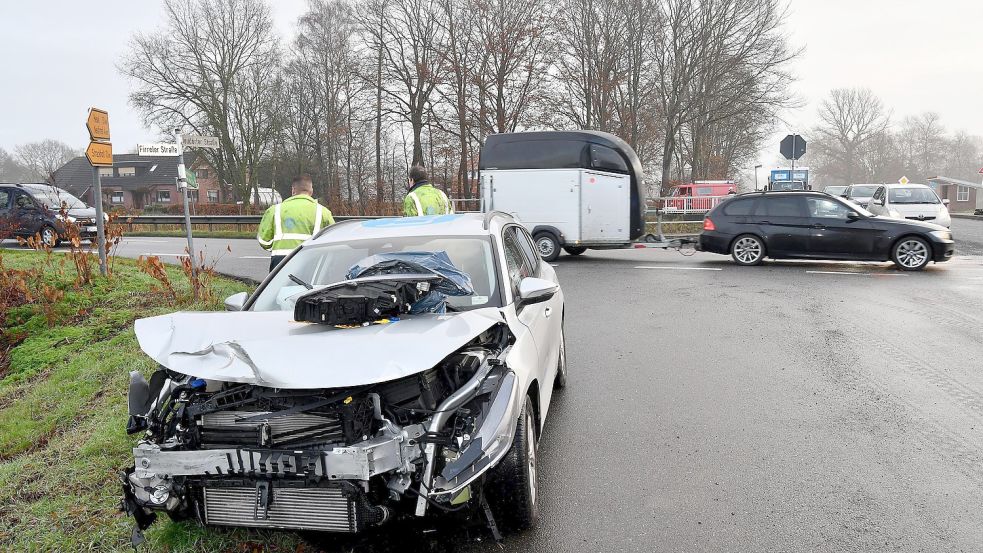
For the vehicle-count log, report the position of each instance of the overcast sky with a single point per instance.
(59, 58)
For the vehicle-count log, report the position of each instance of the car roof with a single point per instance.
(909, 185)
(462, 225)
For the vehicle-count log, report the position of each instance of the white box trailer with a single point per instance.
(572, 189)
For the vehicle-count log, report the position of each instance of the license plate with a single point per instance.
(90, 229)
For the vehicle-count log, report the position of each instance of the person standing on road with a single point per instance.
(423, 198)
(288, 224)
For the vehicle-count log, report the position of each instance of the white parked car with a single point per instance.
(916, 202)
(387, 369)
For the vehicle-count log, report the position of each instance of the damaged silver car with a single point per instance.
(388, 368)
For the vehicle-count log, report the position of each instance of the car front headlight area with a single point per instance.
(333, 460)
(944, 235)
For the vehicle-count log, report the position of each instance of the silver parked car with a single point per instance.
(386, 369)
(860, 194)
(916, 202)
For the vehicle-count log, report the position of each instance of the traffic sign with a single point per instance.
(98, 124)
(158, 150)
(195, 141)
(981, 171)
(903, 181)
(191, 180)
(793, 146)
(100, 154)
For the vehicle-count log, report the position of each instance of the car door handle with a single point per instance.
(765, 222)
(549, 311)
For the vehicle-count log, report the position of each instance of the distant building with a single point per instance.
(964, 196)
(137, 182)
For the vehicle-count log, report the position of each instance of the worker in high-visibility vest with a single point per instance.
(424, 198)
(288, 224)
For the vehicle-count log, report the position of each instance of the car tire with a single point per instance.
(911, 253)
(747, 249)
(560, 381)
(547, 245)
(574, 250)
(49, 237)
(512, 488)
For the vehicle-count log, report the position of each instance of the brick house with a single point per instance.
(137, 182)
(964, 196)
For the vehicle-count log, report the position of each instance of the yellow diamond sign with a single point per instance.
(903, 180)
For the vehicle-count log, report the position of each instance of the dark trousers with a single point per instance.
(275, 260)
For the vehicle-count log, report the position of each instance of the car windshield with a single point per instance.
(53, 198)
(834, 190)
(862, 191)
(320, 265)
(912, 195)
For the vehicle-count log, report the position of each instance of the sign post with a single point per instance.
(100, 154)
(182, 185)
(793, 147)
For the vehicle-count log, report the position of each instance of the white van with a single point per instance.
(917, 202)
(572, 190)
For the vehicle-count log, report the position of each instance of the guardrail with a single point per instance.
(211, 221)
(686, 204)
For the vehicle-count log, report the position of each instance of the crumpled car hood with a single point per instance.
(269, 348)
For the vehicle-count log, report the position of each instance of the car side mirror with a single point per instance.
(945, 202)
(236, 301)
(852, 215)
(536, 290)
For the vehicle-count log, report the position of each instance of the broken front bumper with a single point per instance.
(388, 452)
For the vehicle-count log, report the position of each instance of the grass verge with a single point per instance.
(63, 414)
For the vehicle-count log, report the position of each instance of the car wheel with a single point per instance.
(911, 254)
(560, 381)
(512, 490)
(575, 250)
(748, 249)
(548, 246)
(49, 237)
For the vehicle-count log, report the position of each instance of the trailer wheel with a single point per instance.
(574, 250)
(548, 246)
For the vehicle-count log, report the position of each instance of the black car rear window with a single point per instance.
(739, 207)
(781, 206)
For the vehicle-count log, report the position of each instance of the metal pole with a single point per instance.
(100, 222)
(182, 185)
(658, 225)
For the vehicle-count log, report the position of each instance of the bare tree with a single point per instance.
(39, 160)
(213, 67)
(850, 120)
(408, 36)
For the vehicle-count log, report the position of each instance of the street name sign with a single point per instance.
(195, 141)
(100, 154)
(97, 124)
(162, 149)
(793, 146)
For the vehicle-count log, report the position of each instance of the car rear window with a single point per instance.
(739, 207)
(781, 206)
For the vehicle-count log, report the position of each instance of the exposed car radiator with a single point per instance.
(223, 428)
(325, 509)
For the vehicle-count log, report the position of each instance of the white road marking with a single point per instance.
(857, 273)
(681, 268)
(254, 257)
(165, 254)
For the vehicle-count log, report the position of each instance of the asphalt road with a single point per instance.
(796, 406)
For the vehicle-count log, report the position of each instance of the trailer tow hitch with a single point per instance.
(685, 246)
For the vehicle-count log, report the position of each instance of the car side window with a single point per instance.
(526, 243)
(23, 201)
(823, 208)
(781, 206)
(879, 193)
(4, 199)
(515, 260)
(739, 207)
